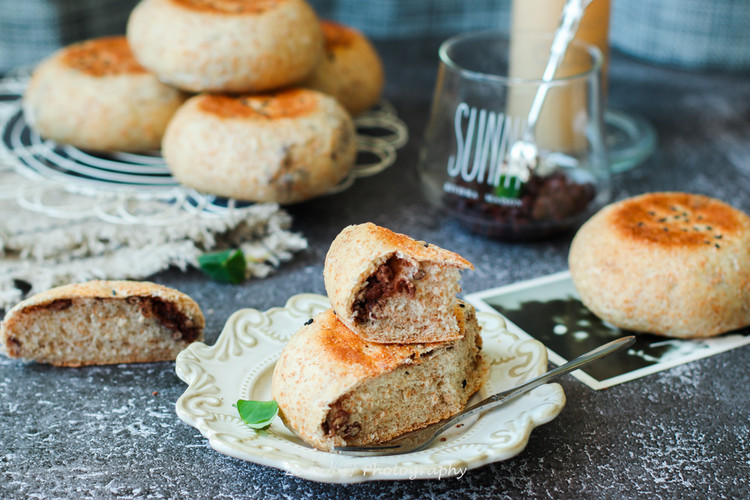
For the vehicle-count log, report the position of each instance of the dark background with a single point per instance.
(105, 432)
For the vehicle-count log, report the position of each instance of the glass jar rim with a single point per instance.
(446, 46)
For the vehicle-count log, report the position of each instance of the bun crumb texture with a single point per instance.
(102, 322)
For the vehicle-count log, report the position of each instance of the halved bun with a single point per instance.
(334, 389)
(390, 288)
(102, 322)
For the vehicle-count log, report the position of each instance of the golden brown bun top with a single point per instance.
(368, 359)
(327, 337)
(673, 219)
(241, 7)
(102, 56)
(285, 104)
(337, 36)
(360, 236)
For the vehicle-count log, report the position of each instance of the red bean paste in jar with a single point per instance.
(545, 205)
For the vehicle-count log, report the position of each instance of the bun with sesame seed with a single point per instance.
(667, 263)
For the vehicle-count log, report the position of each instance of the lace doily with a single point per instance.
(70, 215)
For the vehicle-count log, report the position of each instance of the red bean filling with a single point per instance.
(388, 280)
(338, 423)
(169, 316)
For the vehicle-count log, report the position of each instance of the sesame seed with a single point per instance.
(717, 245)
(309, 321)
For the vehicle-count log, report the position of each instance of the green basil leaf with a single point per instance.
(227, 267)
(257, 414)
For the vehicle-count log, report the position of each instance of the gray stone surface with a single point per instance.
(105, 432)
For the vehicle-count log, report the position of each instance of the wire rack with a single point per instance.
(126, 188)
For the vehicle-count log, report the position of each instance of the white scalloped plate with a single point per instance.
(240, 365)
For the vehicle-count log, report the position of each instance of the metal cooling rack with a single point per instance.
(126, 188)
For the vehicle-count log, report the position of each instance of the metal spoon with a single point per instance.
(422, 438)
(523, 156)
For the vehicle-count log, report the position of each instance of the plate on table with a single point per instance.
(240, 366)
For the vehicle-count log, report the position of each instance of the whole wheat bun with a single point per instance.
(389, 288)
(94, 95)
(284, 147)
(334, 389)
(226, 45)
(672, 264)
(102, 322)
(350, 69)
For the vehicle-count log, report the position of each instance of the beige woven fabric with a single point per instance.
(45, 251)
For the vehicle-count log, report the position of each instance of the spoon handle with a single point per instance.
(422, 438)
(511, 394)
(566, 30)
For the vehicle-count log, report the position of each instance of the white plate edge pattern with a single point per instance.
(199, 406)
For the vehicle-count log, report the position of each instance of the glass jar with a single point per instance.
(485, 86)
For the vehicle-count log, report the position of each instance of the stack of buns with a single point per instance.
(397, 351)
(668, 263)
(276, 89)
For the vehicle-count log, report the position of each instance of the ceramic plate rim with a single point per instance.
(250, 334)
